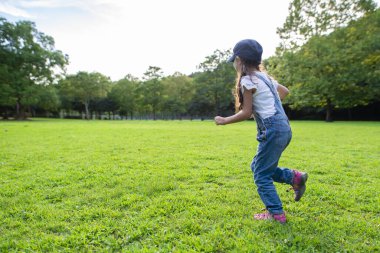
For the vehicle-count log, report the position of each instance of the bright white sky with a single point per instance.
(119, 37)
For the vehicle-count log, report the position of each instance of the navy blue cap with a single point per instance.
(248, 49)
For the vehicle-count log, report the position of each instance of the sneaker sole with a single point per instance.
(268, 218)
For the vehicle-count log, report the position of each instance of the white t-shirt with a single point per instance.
(262, 100)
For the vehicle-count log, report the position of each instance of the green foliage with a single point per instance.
(151, 90)
(178, 91)
(214, 85)
(27, 59)
(124, 93)
(339, 70)
(178, 95)
(309, 18)
(180, 186)
(48, 98)
(85, 87)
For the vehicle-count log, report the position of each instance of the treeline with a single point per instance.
(33, 82)
(178, 96)
(329, 58)
(93, 95)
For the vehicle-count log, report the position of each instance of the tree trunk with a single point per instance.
(329, 111)
(87, 111)
(31, 111)
(18, 105)
(20, 110)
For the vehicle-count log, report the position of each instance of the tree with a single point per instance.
(309, 55)
(104, 104)
(356, 73)
(151, 89)
(178, 91)
(48, 99)
(215, 84)
(339, 70)
(27, 59)
(85, 87)
(124, 93)
(309, 18)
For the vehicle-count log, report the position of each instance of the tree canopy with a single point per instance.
(309, 18)
(28, 61)
(334, 70)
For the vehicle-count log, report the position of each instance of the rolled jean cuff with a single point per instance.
(275, 211)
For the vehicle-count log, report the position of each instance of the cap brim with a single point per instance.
(232, 58)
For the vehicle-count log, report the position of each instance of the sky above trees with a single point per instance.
(126, 37)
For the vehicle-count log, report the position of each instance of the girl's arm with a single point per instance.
(244, 114)
(282, 91)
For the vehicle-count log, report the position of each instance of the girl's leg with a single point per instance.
(264, 167)
(283, 175)
(262, 174)
(295, 178)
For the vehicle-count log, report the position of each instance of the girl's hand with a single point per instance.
(220, 120)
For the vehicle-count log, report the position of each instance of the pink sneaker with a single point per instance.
(268, 216)
(299, 184)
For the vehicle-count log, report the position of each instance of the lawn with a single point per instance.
(182, 186)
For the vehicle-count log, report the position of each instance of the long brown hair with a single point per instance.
(239, 100)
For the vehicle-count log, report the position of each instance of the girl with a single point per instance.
(260, 95)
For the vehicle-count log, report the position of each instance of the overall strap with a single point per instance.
(277, 101)
(270, 86)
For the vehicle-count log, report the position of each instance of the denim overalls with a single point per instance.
(274, 134)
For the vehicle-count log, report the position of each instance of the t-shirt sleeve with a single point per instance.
(248, 83)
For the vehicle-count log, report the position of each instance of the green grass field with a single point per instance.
(181, 186)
